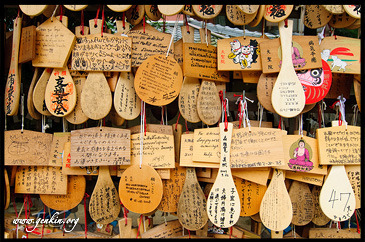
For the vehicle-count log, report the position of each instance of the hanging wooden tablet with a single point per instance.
(319, 218)
(341, 21)
(119, 8)
(39, 92)
(276, 210)
(316, 16)
(253, 175)
(342, 54)
(188, 99)
(126, 101)
(334, 9)
(277, 13)
(58, 142)
(333, 233)
(153, 128)
(357, 91)
(60, 94)
(223, 204)
(188, 10)
(53, 44)
(104, 206)
(76, 186)
(96, 98)
(7, 190)
(75, 7)
(250, 76)
(170, 10)
(305, 54)
(191, 210)
(287, 96)
(301, 154)
(237, 17)
(135, 14)
(140, 189)
(250, 194)
(152, 12)
(27, 44)
(355, 25)
(179, 52)
(353, 173)
(96, 146)
(265, 85)
(168, 230)
(353, 10)
(310, 178)
(26, 147)
(33, 10)
(207, 11)
(40, 180)
(148, 41)
(158, 80)
(77, 116)
(259, 15)
(30, 104)
(13, 82)
(206, 145)
(239, 54)
(208, 105)
(249, 9)
(200, 61)
(302, 203)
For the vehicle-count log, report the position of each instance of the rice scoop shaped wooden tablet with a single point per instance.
(302, 203)
(140, 189)
(158, 80)
(223, 204)
(287, 98)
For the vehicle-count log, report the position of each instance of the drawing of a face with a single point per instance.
(301, 144)
(246, 49)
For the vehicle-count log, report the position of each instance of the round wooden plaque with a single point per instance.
(188, 99)
(341, 21)
(152, 12)
(33, 10)
(355, 25)
(170, 10)
(77, 116)
(249, 9)
(316, 16)
(258, 17)
(119, 8)
(207, 11)
(76, 186)
(237, 17)
(302, 203)
(140, 189)
(75, 7)
(188, 10)
(277, 13)
(334, 9)
(158, 80)
(135, 14)
(264, 89)
(353, 10)
(319, 218)
(39, 90)
(209, 104)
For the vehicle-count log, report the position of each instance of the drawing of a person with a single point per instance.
(301, 156)
(298, 61)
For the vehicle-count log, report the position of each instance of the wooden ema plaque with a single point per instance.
(302, 203)
(239, 54)
(334, 9)
(250, 194)
(188, 98)
(319, 218)
(310, 178)
(253, 175)
(58, 142)
(305, 54)
(223, 204)
(77, 116)
(75, 7)
(249, 9)
(301, 154)
(40, 180)
(259, 15)
(287, 97)
(27, 44)
(342, 54)
(30, 104)
(100, 147)
(339, 145)
(200, 61)
(329, 233)
(39, 91)
(206, 145)
(158, 80)
(104, 204)
(135, 14)
(13, 82)
(7, 189)
(53, 44)
(108, 52)
(265, 85)
(119, 8)
(170, 229)
(76, 186)
(60, 94)
(152, 12)
(353, 173)
(316, 16)
(236, 16)
(148, 41)
(207, 11)
(26, 148)
(33, 10)
(277, 13)
(250, 76)
(170, 10)
(179, 52)
(353, 10)
(209, 105)
(140, 189)
(341, 20)
(276, 211)
(191, 209)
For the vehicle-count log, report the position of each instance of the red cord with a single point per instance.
(230, 232)
(177, 121)
(186, 23)
(144, 24)
(61, 13)
(97, 16)
(82, 22)
(189, 233)
(64, 219)
(123, 21)
(286, 23)
(44, 215)
(319, 116)
(357, 223)
(102, 22)
(279, 126)
(186, 127)
(86, 196)
(139, 226)
(225, 116)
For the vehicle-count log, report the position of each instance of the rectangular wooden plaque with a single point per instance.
(27, 44)
(58, 142)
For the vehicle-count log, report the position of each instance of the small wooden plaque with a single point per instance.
(27, 44)
(316, 16)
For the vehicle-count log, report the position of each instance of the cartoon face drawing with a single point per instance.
(244, 55)
(300, 154)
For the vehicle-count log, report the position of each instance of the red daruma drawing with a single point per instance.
(316, 83)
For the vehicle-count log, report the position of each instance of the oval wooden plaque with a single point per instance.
(7, 189)
(277, 13)
(339, 21)
(353, 10)
(33, 10)
(337, 198)
(355, 25)
(302, 203)
(237, 17)
(152, 12)
(135, 14)
(191, 210)
(76, 186)
(104, 204)
(207, 11)
(126, 102)
(258, 17)
(249, 9)
(140, 189)
(287, 95)
(170, 10)
(334, 9)
(96, 98)
(264, 89)
(30, 104)
(188, 98)
(276, 210)
(188, 10)
(316, 16)
(319, 218)
(223, 203)
(75, 7)
(209, 105)
(60, 94)
(158, 80)
(77, 116)
(119, 8)
(39, 91)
